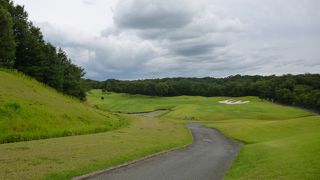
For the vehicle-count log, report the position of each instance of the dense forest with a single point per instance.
(23, 47)
(299, 90)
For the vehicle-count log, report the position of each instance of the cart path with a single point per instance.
(208, 158)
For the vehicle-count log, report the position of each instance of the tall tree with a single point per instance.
(7, 40)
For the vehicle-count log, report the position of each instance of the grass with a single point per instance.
(195, 108)
(64, 158)
(279, 142)
(287, 149)
(30, 110)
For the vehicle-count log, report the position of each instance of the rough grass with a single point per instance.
(66, 157)
(287, 149)
(195, 108)
(29, 110)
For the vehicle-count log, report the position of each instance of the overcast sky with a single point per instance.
(138, 39)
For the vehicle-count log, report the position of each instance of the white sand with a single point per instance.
(231, 101)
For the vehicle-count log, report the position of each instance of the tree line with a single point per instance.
(299, 90)
(23, 47)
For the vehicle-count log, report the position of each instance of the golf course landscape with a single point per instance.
(159, 90)
(277, 142)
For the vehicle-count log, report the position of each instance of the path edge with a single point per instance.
(96, 173)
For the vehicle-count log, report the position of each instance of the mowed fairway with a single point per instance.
(279, 142)
(66, 157)
(195, 108)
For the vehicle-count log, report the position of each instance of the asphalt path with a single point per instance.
(208, 158)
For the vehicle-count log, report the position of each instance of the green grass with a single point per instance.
(195, 108)
(29, 110)
(66, 157)
(279, 142)
(287, 149)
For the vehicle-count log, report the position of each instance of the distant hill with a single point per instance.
(31, 110)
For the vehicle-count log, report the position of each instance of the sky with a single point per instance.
(139, 39)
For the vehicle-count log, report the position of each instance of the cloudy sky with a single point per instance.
(137, 39)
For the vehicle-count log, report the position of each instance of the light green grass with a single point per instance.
(287, 149)
(66, 157)
(30, 110)
(195, 108)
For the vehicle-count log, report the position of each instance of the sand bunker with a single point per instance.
(231, 101)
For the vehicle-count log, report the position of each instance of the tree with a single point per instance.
(53, 67)
(302, 90)
(284, 96)
(162, 89)
(7, 41)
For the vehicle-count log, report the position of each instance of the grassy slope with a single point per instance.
(63, 158)
(280, 142)
(29, 110)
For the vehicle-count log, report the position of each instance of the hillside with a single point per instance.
(30, 110)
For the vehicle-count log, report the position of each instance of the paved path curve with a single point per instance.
(207, 159)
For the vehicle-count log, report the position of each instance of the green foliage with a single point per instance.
(162, 89)
(30, 110)
(7, 41)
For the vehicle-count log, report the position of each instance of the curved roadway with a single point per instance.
(208, 158)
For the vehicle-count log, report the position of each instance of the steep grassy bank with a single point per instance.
(29, 110)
